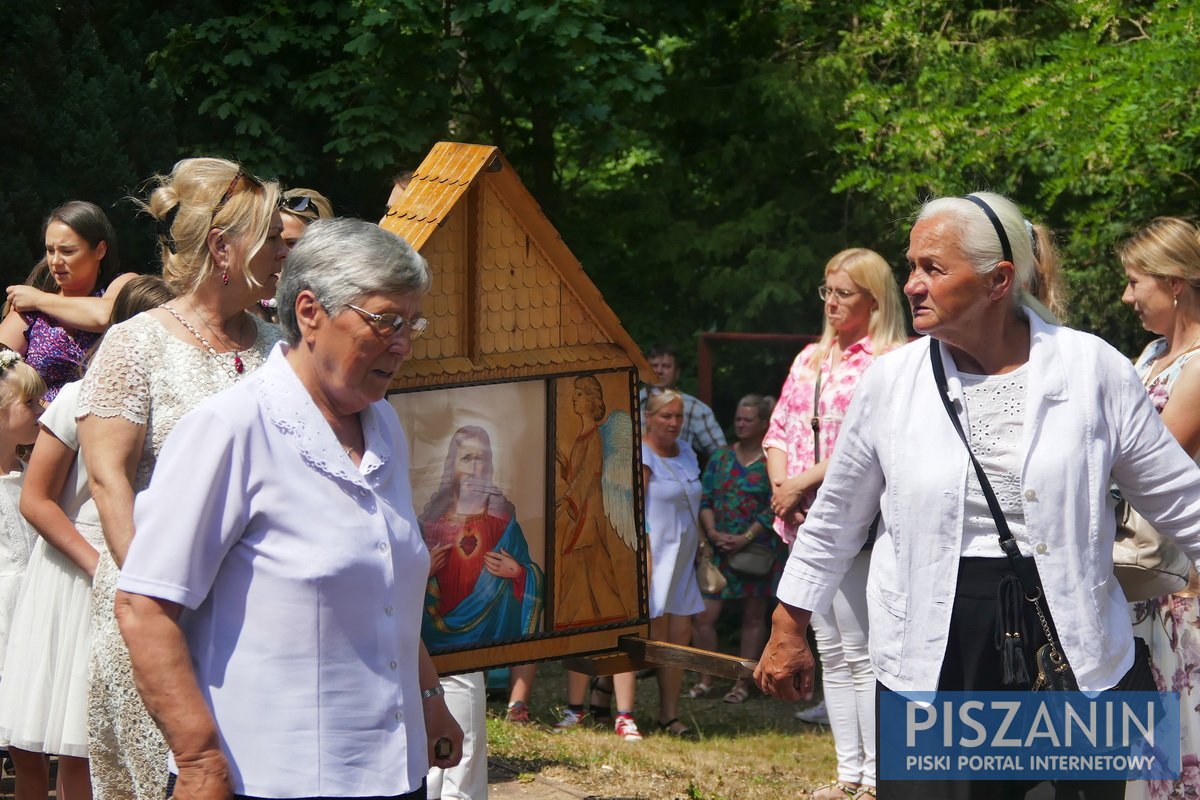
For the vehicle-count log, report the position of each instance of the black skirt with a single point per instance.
(975, 660)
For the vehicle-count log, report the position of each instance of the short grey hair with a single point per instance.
(343, 260)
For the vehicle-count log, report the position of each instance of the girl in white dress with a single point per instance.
(21, 391)
(43, 698)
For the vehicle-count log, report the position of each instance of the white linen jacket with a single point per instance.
(1088, 422)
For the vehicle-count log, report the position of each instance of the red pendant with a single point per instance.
(238, 366)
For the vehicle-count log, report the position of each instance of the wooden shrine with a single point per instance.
(520, 404)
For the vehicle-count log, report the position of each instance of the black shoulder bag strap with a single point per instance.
(1026, 572)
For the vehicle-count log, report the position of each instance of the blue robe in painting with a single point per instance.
(492, 611)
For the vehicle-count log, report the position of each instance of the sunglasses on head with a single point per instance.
(300, 204)
(242, 181)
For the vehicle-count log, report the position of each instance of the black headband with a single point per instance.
(1005, 249)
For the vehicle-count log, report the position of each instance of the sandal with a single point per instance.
(738, 694)
(700, 690)
(673, 727)
(836, 790)
(865, 792)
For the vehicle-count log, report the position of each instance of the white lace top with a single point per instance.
(995, 411)
(147, 375)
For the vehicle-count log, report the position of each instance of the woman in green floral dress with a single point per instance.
(735, 511)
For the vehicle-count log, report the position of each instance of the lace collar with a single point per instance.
(290, 408)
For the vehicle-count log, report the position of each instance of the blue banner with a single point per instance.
(1035, 735)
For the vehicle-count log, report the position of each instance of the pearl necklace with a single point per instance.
(238, 366)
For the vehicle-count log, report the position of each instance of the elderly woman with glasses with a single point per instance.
(221, 248)
(988, 446)
(272, 598)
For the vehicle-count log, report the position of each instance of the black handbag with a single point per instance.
(1053, 671)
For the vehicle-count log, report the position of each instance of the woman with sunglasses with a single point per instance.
(301, 208)
(281, 516)
(222, 248)
(863, 319)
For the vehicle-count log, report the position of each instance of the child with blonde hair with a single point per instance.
(21, 390)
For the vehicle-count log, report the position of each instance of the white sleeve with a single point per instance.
(191, 514)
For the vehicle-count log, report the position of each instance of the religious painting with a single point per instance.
(596, 541)
(478, 466)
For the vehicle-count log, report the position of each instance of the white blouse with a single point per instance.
(305, 577)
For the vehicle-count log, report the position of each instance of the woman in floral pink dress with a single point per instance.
(1162, 265)
(863, 319)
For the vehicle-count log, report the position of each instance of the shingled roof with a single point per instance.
(508, 299)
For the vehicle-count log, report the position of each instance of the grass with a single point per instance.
(752, 750)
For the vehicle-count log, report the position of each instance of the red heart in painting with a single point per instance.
(468, 543)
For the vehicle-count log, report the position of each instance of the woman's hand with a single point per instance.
(24, 298)
(441, 730)
(786, 668)
(787, 495)
(203, 776)
(502, 565)
(727, 543)
(438, 556)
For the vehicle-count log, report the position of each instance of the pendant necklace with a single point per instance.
(238, 367)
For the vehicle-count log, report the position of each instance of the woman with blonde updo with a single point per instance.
(222, 248)
(1162, 270)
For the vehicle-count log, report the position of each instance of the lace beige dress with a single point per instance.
(146, 375)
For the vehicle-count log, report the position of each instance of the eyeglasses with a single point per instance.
(300, 204)
(242, 181)
(391, 324)
(824, 292)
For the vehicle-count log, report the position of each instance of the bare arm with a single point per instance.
(162, 669)
(48, 469)
(1179, 414)
(786, 493)
(112, 448)
(439, 724)
(84, 313)
(12, 332)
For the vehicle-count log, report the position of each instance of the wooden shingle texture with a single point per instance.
(508, 300)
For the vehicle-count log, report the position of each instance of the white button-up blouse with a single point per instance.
(304, 577)
(1087, 422)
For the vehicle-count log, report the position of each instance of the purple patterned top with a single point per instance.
(55, 351)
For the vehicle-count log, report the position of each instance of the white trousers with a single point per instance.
(848, 679)
(466, 697)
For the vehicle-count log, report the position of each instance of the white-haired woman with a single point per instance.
(221, 247)
(863, 320)
(281, 516)
(1052, 415)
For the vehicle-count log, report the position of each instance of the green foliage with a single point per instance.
(702, 160)
(81, 123)
(1081, 111)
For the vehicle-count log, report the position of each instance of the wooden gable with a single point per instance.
(508, 300)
